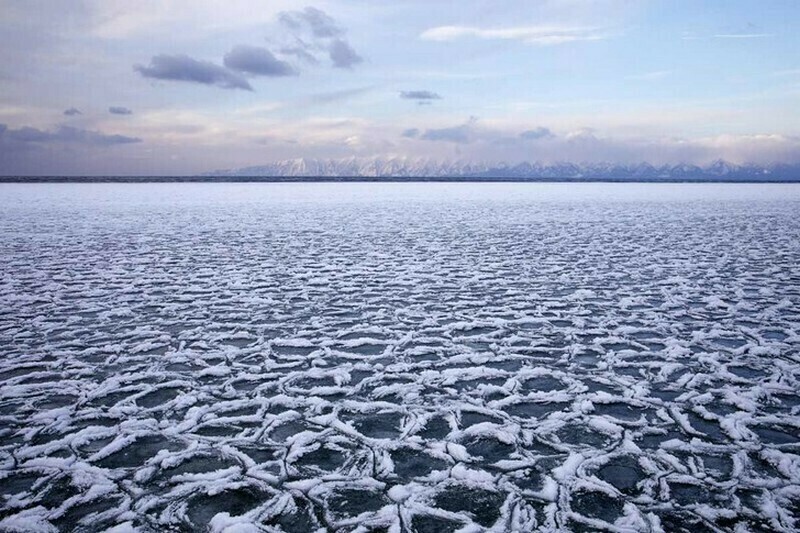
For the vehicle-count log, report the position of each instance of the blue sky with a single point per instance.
(185, 86)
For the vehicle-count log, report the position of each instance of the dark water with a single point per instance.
(405, 357)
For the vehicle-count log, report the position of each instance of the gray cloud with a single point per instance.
(420, 95)
(257, 61)
(463, 134)
(588, 145)
(26, 134)
(28, 151)
(337, 96)
(72, 111)
(118, 110)
(321, 24)
(301, 52)
(62, 134)
(457, 134)
(536, 134)
(317, 33)
(184, 68)
(343, 55)
(472, 132)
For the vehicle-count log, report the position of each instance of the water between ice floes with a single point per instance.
(399, 357)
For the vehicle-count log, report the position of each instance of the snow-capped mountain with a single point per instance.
(360, 167)
(407, 167)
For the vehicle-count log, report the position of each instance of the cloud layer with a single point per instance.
(541, 144)
(420, 95)
(313, 34)
(316, 33)
(62, 134)
(536, 134)
(537, 35)
(343, 55)
(218, 85)
(257, 61)
(184, 68)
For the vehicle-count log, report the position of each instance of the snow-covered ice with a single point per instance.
(400, 357)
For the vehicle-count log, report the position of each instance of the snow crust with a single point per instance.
(406, 358)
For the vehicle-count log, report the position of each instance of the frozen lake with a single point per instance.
(400, 357)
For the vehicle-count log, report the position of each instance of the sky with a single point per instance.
(171, 87)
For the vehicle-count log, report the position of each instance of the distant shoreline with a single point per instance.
(360, 179)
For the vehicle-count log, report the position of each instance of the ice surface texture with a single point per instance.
(399, 358)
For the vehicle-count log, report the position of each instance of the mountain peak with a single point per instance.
(398, 166)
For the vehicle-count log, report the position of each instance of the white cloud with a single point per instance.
(650, 76)
(536, 35)
(742, 35)
(121, 19)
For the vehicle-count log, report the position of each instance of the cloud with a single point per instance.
(321, 24)
(537, 35)
(118, 110)
(317, 34)
(742, 35)
(472, 132)
(301, 52)
(72, 111)
(536, 134)
(463, 134)
(257, 62)
(157, 19)
(184, 68)
(540, 144)
(457, 134)
(337, 96)
(342, 54)
(420, 95)
(650, 76)
(62, 134)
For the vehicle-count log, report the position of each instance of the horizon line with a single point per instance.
(369, 179)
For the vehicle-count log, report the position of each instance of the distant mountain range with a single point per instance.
(420, 169)
(405, 167)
